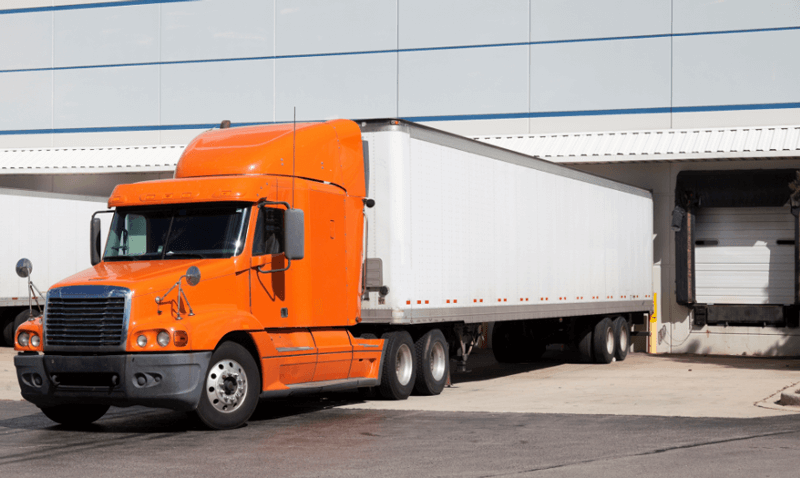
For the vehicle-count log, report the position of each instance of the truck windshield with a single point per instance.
(208, 230)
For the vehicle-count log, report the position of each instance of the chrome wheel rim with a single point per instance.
(438, 361)
(226, 386)
(623, 338)
(610, 341)
(404, 363)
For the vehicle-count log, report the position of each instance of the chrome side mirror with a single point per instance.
(193, 276)
(24, 267)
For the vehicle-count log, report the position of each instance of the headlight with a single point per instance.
(163, 338)
(141, 341)
(34, 340)
(23, 339)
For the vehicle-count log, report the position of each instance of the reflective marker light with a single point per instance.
(23, 339)
(34, 340)
(181, 338)
(163, 338)
(141, 341)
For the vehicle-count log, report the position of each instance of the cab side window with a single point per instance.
(268, 238)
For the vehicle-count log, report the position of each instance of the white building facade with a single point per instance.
(605, 85)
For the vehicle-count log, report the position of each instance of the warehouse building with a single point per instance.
(696, 100)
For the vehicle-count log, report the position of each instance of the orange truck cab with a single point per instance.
(237, 279)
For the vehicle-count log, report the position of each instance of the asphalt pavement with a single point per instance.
(641, 417)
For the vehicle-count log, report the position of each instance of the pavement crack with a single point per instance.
(646, 453)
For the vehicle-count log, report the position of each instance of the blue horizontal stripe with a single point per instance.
(466, 117)
(404, 50)
(85, 6)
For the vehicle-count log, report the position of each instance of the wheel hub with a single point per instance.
(226, 385)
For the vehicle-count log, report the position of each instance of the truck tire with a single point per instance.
(433, 363)
(231, 388)
(622, 337)
(399, 367)
(583, 342)
(74, 414)
(10, 327)
(604, 344)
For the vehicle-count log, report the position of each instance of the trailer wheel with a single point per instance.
(604, 344)
(503, 343)
(10, 327)
(433, 363)
(231, 388)
(583, 342)
(75, 414)
(622, 336)
(399, 367)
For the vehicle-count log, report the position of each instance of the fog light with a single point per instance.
(34, 340)
(163, 338)
(141, 341)
(23, 339)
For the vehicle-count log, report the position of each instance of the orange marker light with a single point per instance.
(180, 338)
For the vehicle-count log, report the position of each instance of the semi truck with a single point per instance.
(296, 258)
(45, 228)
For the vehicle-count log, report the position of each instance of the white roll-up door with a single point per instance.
(744, 255)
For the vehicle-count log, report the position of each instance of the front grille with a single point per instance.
(83, 321)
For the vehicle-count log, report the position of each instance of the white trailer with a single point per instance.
(464, 233)
(50, 229)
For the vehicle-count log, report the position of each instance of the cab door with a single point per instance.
(268, 289)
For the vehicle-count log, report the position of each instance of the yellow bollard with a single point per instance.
(652, 327)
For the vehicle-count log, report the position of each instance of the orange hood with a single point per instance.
(145, 277)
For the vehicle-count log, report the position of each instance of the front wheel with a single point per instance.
(232, 387)
(75, 415)
(399, 367)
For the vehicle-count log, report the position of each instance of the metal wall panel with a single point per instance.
(600, 75)
(469, 81)
(103, 36)
(123, 96)
(747, 265)
(214, 29)
(691, 16)
(26, 100)
(579, 19)
(425, 24)
(326, 26)
(27, 41)
(207, 93)
(349, 86)
(735, 69)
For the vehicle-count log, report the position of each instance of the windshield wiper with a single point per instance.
(172, 254)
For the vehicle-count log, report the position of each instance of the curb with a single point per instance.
(790, 398)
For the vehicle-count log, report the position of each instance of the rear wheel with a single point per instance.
(622, 336)
(75, 415)
(232, 386)
(433, 363)
(604, 344)
(399, 367)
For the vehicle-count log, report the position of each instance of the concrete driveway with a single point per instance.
(654, 385)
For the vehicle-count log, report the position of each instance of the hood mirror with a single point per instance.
(24, 267)
(193, 276)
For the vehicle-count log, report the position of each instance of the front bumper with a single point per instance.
(153, 380)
